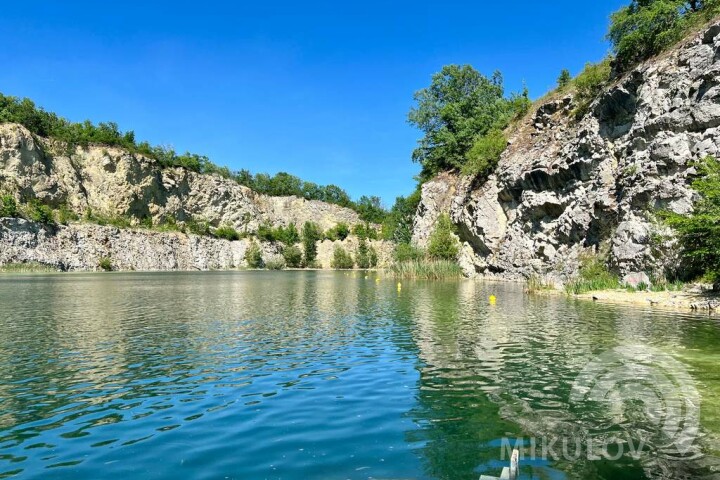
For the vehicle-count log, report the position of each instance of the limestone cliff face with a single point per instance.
(565, 186)
(113, 182)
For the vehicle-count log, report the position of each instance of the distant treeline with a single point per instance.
(73, 134)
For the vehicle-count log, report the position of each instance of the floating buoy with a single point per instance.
(377, 280)
(399, 286)
(492, 299)
(366, 277)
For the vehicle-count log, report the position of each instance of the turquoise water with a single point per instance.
(320, 375)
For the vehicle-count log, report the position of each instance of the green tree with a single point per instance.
(699, 232)
(398, 225)
(341, 259)
(311, 233)
(362, 254)
(8, 206)
(483, 157)
(253, 256)
(442, 244)
(564, 79)
(338, 232)
(370, 209)
(293, 256)
(459, 106)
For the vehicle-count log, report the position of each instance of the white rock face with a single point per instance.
(112, 182)
(564, 187)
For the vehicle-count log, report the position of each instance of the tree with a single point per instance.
(699, 232)
(442, 244)
(362, 255)
(253, 256)
(370, 209)
(310, 235)
(483, 157)
(293, 256)
(564, 79)
(459, 106)
(399, 222)
(341, 259)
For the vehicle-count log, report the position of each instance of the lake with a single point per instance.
(331, 375)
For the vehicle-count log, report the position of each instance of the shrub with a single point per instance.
(253, 256)
(226, 232)
(427, 269)
(366, 255)
(8, 206)
(564, 79)
(65, 215)
(310, 235)
(485, 153)
(105, 264)
(37, 212)
(341, 260)
(589, 84)
(365, 231)
(275, 262)
(593, 275)
(442, 244)
(288, 235)
(339, 232)
(699, 232)
(197, 227)
(405, 252)
(293, 256)
(398, 224)
(266, 232)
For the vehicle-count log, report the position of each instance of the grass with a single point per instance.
(594, 275)
(536, 283)
(105, 264)
(427, 270)
(30, 267)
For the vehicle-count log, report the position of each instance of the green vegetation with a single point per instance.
(253, 256)
(427, 270)
(276, 262)
(398, 224)
(458, 109)
(593, 275)
(64, 215)
(37, 212)
(29, 267)
(366, 255)
(485, 153)
(536, 283)
(365, 231)
(105, 264)
(293, 256)
(341, 260)
(590, 83)
(699, 232)
(442, 244)
(339, 232)
(311, 233)
(647, 27)
(564, 79)
(405, 252)
(8, 207)
(226, 232)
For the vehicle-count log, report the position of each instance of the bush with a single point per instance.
(197, 227)
(366, 255)
(564, 79)
(699, 232)
(589, 84)
(365, 231)
(65, 215)
(288, 235)
(593, 275)
(311, 234)
(37, 212)
(427, 269)
(398, 224)
(405, 252)
(105, 264)
(275, 262)
(442, 244)
(342, 260)
(339, 232)
(8, 206)
(485, 153)
(226, 232)
(293, 256)
(266, 232)
(253, 256)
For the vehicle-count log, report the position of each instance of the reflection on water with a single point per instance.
(316, 375)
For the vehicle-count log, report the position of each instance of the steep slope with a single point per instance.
(113, 182)
(565, 187)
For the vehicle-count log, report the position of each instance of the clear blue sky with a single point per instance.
(317, 89)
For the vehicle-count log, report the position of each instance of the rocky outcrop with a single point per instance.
(82, 246)
(565, 187)
(113, 182)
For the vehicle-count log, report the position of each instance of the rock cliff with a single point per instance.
(113, 182)
(566, 186)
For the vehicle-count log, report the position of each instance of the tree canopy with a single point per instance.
(459, 107)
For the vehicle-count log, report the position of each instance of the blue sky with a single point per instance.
(317, 89)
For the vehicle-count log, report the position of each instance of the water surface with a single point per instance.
(320, 375)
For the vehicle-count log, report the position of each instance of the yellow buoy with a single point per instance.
(492, 299)
(377, 280)
(399, 286)
(366, 277)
